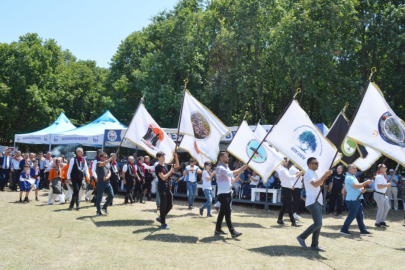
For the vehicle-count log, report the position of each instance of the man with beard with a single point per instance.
(76, 174)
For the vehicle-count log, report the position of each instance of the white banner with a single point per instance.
(202, 130)
(299, 139)
(144, 132)
(245, 142)
(377, 125)
(365, 163)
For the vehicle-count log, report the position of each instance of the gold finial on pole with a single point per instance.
(373, 70)
(345, 107)
(185, 83)
(297, 92)
(246, 114)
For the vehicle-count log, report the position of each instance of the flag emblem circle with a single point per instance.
(260, 156)
(112, 135)
(391, 129)
(201, 127)
(308, 141)
(154, 135)
(348, 147)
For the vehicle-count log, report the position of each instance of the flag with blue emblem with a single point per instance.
(376, 125)
(299, 139)
(264, 161)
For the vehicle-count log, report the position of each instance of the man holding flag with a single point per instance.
(313, 203)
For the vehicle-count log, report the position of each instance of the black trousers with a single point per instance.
(286, 193)
(46, 183)
(75, 197)
(139, 190)
(166, 203)
(148, 184)
(130, 191)
(225, 211)
(114, 185)
(335, 196)
(16, 178)
(296, 193)
(5, 173)
(42, 179)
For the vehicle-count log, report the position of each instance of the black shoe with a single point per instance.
(26, 199)
(36, 199)
(142, 202)
(296, 225)
(280, 222)
(190, 207)
(318, 249)
(384, 224)
(236, 234)
(209, 215)
(220, 232)
(379, 225)
(365, 233)
(78, 208)
(158, 219)
(201, 211)
(70, 208)
(21, 200)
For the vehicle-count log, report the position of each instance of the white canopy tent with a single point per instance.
(43, 136)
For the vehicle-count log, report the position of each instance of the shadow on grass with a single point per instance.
(172, 238)
(212, 239)
(249, 225)
(123, 223)
(280, 226)
(150, 210)
(336, 235)
(290, 251)
(85, 217)
(353, 228)
(64, 210)
(146, 230)
(184, 215)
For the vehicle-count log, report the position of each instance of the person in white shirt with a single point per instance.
(296, 191)
(392, 191)
(287, 182)
(225, 179)
(253, 182)
(313, 203)
(207, 178)
(48, 165)
(77, 172)
(191, 173)
(380, 197)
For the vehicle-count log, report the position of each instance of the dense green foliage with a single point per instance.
(238, 55)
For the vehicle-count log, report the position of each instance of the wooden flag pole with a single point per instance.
(373, 70)
(275, 123)
(181, 114)
(139, 105)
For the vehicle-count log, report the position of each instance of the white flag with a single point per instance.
(202, 130)
(378, 126)
(245, 142)
(144, 132)
(299, 139)
(260, 132)
(365, 163)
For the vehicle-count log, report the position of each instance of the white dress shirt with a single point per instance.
(311, 191)
(286, 178)
(293, 171)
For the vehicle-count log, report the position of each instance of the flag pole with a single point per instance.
(181, 114)
(373, 70)
(139, 105)
(275, 123)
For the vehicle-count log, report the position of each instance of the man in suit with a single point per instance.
(5, 165)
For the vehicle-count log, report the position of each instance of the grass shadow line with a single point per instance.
(172, 238)
(146, 230)
(123, 223)
(289, 251)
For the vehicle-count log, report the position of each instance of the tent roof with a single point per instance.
(97, 127)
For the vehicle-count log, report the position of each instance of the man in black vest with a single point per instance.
(147, 189)
(129, 174)
(115, 177)
(140, 170)
(76, 175)
(103, 182)
(5, 165)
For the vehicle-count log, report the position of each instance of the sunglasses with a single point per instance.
(315, 163)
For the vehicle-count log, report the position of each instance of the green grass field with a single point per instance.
(39, 236)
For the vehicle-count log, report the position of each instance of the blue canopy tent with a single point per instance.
(43, 136)
(91, 134)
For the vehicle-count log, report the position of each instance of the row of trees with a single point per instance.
(238, 55)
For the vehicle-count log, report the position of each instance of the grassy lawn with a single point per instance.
(40, 236)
